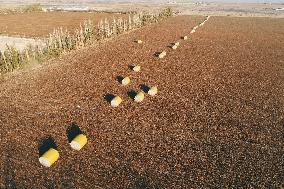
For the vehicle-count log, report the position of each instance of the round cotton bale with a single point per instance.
(162, 54)
(192, 31)
(139, 97)
(177, 43)
(153, 91)
(116, 101)
(185, 38)
(136, 68)
(174, 47)
(49, 157)
(125, 81)
(139, 41)
(79, 142)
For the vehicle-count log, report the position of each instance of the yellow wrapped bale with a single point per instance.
(174, 47)
(139, 41)
(78, 142)
(139, 97)
(137, 68)
(49, 157)
(125, 81)
(162, 54)
(153, 91)
(116, 101)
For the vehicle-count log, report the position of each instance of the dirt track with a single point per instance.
(217, 121)
(42, 24)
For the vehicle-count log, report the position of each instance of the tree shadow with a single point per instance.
(108, 97)
(9, 172)
(137, 181)
(282, 128)
(132, 94)
(72, 131)
(45, 144)
(144, 88)
(140, 182)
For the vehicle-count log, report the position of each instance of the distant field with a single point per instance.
(41, 24)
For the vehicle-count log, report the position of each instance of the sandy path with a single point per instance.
(216, 122)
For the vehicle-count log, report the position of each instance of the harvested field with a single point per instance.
(217, 121)
(41, 24)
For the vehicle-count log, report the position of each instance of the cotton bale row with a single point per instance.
(50, 156)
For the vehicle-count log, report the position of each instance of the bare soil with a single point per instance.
(41, 24)
(18, 42)
(217, 121)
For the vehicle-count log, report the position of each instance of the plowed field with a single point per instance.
(217, 121)
(42, 24)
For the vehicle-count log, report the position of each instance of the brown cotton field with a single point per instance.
(216, 122)
(41, 24)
